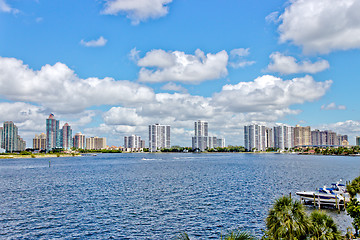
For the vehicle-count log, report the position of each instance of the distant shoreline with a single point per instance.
(38, 155)
(54, 155)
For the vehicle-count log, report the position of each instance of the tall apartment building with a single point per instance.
(10, 139)
(357, 141)
(95, 143)
(79, 141)
(159, 137)
(257, 137)
(1, 137)
(220, 142)
(201, 139)
(302, 136)
(66, 137)
(133, 141)
(21, 144)
(52, 133)
(39, 142)
(283, 137)
(142, 144)
(316, 137)
(327, 138)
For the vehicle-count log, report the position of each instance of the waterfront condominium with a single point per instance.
(1, 135)
(10, 140)
(257, 137)
(159, 137)
(327, 138)
(66, 137)
(202, 140)
(133, 141)
(52, 133)
(283, 137)
(95, 143)
(302, 136)
(79, 141)
(39, 142)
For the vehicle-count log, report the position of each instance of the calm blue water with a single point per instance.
(155, 196)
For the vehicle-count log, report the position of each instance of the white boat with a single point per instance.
(322, 195)
(335, 195)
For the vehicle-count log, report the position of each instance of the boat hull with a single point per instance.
(310, 197)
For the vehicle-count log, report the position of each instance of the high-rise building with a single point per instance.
(357, 141)
(66, 137)
(201, 139)
(159, 137)
(1, 137)
(10, 137)
(221, 142)
(142, 144)
(39, 142)
(342, 140)
(52, 133)
(21, 144)
(316, 138)
(79, 141)
(269, 137)
(283, 137)
(256, 137)
(132, 141)
(95, 143)
(302, 136)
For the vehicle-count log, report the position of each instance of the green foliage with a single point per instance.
(25, 153)
(32, 155)
(353, 207)
(354, 187)
(182, 236)
(353, 210)
(233, 235)
(238, 235)
(57, 154)
(323, 227)
(98, 151)
(287, 220)
(270, 149)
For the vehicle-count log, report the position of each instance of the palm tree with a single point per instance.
(238, 235)
(287, 220)
(233, 235)
(182, 236)
(323, 227)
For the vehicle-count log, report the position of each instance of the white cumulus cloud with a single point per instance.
(174, 87)
(321, 26)
(100, 42)
(161, 66)
(289, 65)
(137, 10)
(270, 93)
(58, 88)
(333, 106)
(237, 58)
(4, 7)
(122, 116)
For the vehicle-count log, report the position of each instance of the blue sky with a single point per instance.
(110, 68)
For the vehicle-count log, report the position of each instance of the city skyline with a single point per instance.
(113, 70)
